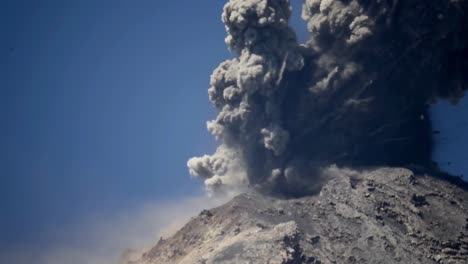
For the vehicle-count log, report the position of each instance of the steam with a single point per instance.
(356, 93)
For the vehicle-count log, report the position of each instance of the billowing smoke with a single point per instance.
(356, 93)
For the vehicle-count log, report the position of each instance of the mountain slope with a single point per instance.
(386, 215)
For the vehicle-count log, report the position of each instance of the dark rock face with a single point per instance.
(386, 215)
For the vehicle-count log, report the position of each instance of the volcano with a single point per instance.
(330, 140)
(384, 215)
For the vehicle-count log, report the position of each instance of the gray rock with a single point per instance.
(407, 218)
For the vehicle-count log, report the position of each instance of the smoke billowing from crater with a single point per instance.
(356, 93)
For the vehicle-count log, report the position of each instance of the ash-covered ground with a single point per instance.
(385, 215)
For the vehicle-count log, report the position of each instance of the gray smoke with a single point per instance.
(355, 94)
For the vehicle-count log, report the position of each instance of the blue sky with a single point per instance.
(102, 102)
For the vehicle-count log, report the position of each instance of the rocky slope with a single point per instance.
(386, 215)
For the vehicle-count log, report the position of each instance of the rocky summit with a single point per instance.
(384, 215)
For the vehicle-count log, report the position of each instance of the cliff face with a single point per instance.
(386, 215)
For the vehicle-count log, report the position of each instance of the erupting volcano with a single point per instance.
(331, 138)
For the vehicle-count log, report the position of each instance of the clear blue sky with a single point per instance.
(102, 103)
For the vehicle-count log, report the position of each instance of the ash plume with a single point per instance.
(355, 94)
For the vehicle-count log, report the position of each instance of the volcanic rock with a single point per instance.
(384, 215)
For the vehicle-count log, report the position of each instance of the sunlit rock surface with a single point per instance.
(387, 215)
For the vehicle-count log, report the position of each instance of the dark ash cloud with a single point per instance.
(356, 93)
